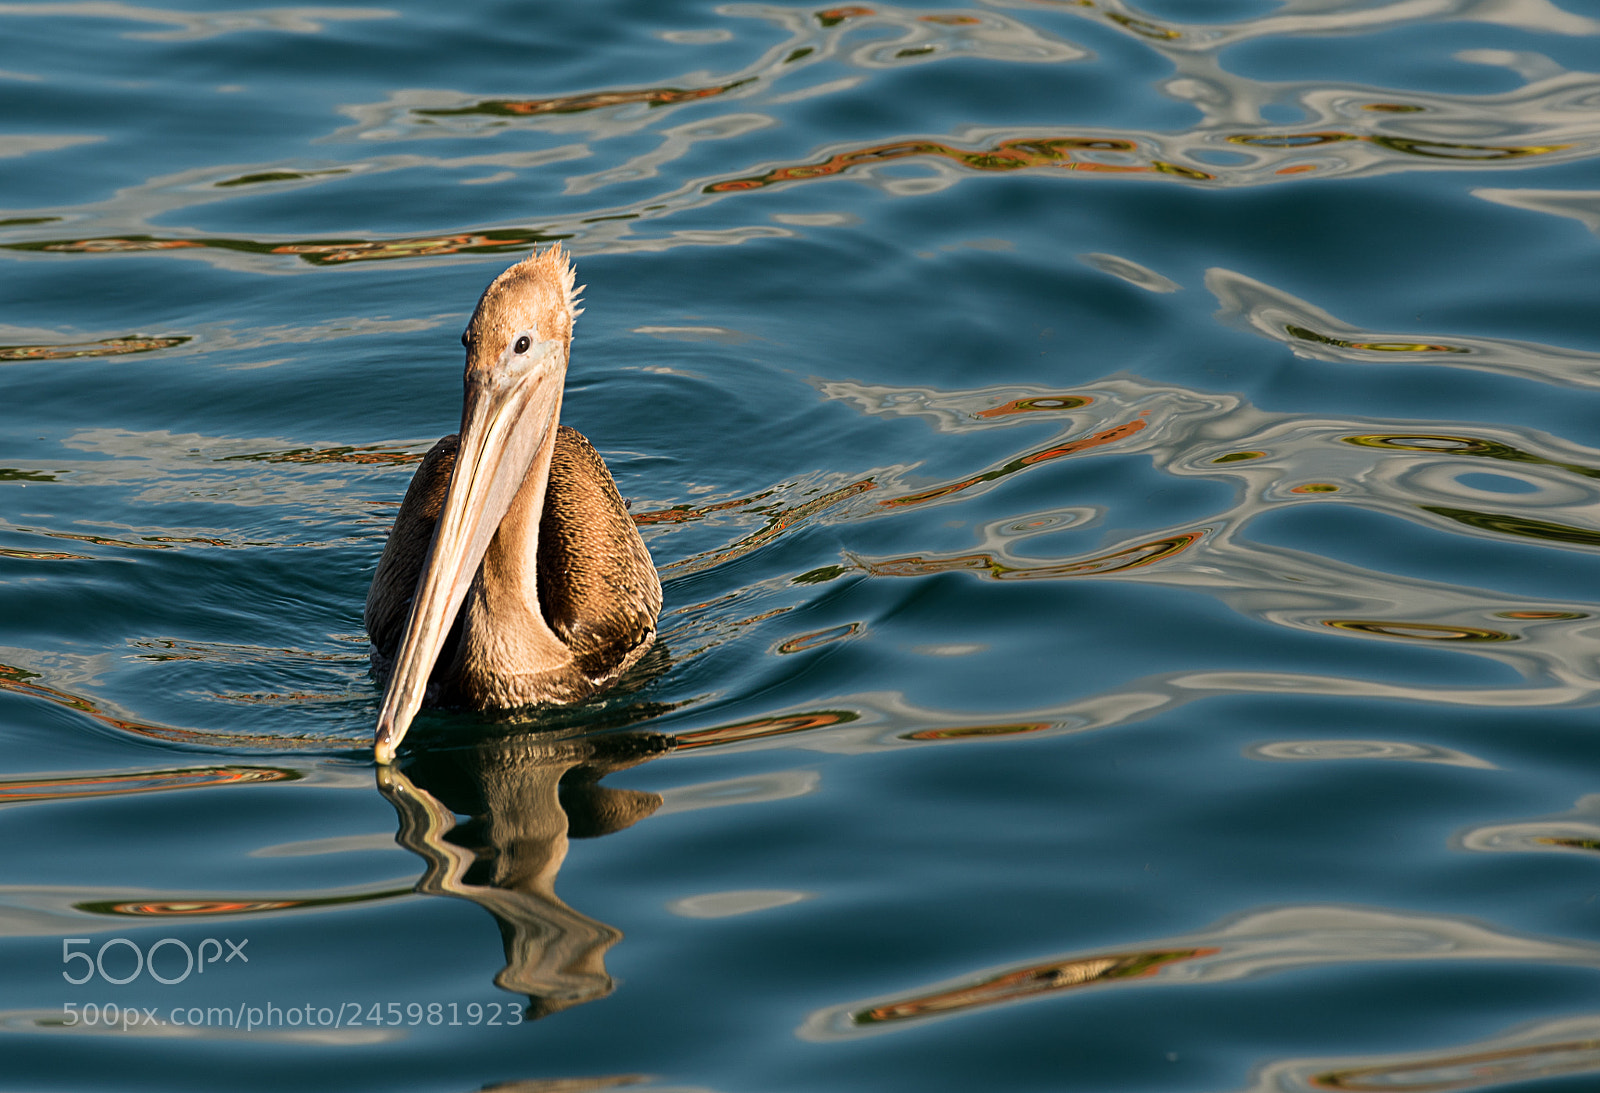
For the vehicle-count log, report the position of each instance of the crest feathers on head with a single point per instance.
(542, 281)
(555, 262)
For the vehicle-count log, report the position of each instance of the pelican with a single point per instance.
(513, 575)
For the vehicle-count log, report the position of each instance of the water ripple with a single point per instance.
(1347, 130)
(194, 25)
(1543, 1049)
(1311, 332)
(1250, 945)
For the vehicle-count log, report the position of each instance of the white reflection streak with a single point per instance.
(1580, 205)
(193, 26)
(1575, 832)
(756, 789)
(1293, 751)
(184, 468)
(675, 144)
(728, 904)
(1543, 1049)
(1298, 18)
(1130, 271)
(14, 145)
(1310, 332)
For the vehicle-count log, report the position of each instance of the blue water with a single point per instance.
(1126, 482)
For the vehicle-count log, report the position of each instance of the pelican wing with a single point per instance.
(597, 587)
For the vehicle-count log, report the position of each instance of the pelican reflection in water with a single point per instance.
(525, 796)
(513, 575)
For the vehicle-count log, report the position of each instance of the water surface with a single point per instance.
(1125, 481)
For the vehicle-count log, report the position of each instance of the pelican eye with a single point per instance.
(522, 345)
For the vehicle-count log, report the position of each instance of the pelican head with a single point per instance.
(517, 349)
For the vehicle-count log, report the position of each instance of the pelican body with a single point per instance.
(513, 575)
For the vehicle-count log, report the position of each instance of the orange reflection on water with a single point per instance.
(1057, 975)
(761, 727)
(1077, 153)
(113, 245)
(831, 17)
(97, 540)
(213, 908)
(1107, 436)
(317, 254)
(777, 525)
(144, 542)
(419, 247)
(371, 456)
(960, 731)
(682, 514)
(178, 908)
(1006, 155)
(1134, 557)
(106, 347)
(20, 681)
(42, 555)
(803, 642)
(1036, 404)
(577, 104)
(143, 781)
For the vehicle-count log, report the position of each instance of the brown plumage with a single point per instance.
(513, 575)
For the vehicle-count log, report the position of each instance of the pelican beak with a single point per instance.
(508, 429)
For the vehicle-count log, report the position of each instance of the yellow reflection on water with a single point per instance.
(1419, 631)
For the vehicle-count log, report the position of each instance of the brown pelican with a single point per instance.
(513, 575)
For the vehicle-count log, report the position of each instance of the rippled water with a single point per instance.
(1127, 486)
